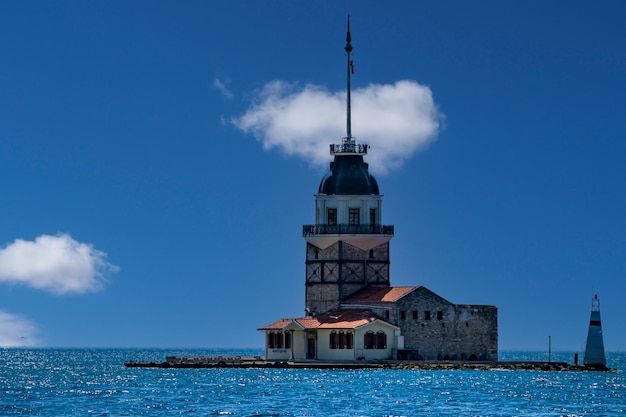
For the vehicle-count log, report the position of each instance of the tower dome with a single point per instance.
(348, 175)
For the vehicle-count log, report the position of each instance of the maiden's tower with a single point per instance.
(351, 310)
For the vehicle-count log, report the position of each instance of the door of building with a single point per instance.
(310, 346)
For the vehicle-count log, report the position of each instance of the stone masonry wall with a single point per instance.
(438, 329)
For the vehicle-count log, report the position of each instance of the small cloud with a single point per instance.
(396, 120)
(221, 87)
(17, 331)
(58, 264)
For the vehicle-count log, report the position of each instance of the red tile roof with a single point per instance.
(379, 295)
(277, 325)
(346, 319)
(335, 319)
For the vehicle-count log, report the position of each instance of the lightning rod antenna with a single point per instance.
(348, 49)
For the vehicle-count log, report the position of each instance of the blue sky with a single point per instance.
(158, 161)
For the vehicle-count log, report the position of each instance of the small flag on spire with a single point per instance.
(352, 66)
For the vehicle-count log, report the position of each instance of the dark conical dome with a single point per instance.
(348, 175)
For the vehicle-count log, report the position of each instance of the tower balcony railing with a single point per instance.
(348, 229)
(348, 147)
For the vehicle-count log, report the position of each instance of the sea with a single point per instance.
(94, 382)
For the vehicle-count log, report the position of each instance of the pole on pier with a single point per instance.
(549, 349)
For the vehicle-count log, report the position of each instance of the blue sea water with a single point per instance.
(94, 382)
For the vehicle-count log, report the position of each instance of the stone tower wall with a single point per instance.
(334, 273)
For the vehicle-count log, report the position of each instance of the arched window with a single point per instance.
(342, 340)
(368, 340)
(332, 342)
(381, 340)
(375, 340)
(275, 340)
(349, 340)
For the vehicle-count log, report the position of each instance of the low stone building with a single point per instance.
(352, 311)
(432, 327)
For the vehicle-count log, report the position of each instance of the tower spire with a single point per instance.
(348, 49)
(348, 145)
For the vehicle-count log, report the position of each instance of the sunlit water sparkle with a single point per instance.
(78, 382)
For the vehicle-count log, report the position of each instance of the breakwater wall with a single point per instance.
(260, 362)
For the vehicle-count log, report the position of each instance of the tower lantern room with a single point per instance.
(347, 247)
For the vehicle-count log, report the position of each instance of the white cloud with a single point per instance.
(17, 331)
(396, 120)
(220, 86)
(58, 264)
